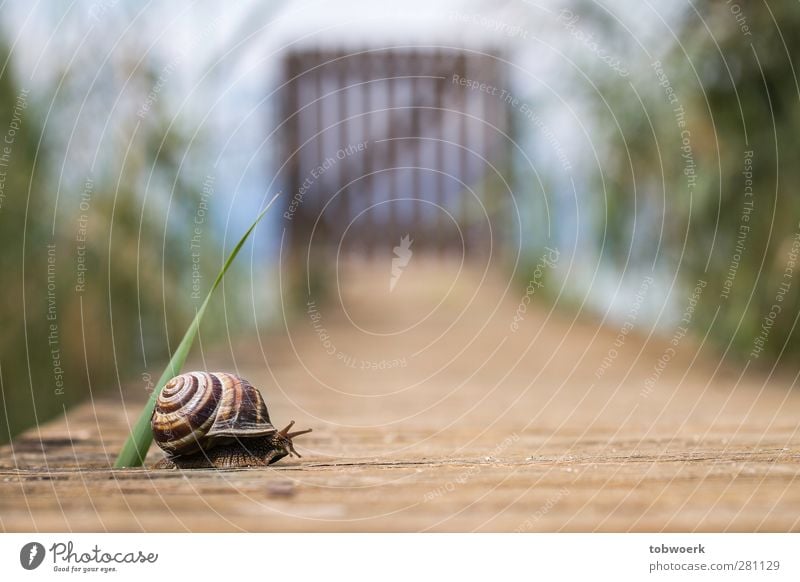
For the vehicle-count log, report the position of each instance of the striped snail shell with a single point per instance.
(201, 410)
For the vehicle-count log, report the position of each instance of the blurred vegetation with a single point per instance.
(734, 77)
(62, 344)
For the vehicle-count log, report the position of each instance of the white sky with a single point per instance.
(249, 37)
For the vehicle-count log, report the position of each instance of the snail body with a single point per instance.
(217, 420)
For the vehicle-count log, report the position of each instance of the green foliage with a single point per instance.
(96, 277)
(731, 85)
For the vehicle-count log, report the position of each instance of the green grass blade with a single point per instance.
(135, 448)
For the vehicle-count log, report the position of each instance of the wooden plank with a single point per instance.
(467, 436)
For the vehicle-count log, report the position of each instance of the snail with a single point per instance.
(216, 420)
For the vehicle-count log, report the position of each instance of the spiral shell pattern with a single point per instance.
(199, 410)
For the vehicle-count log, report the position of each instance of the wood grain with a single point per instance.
(483, 429)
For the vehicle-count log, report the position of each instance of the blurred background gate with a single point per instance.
(386, 143)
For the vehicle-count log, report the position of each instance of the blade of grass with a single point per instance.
(135, 448)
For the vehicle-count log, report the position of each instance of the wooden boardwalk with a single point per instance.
(456, 423)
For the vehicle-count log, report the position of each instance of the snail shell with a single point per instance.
(201, 410)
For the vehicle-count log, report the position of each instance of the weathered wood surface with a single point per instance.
(484, 429)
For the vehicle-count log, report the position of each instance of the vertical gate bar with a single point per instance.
(504, 209)
(407, 145)
(304, 118)
(358, 192)
(479, 177)
(488, 232)
(416, 69)
(439, 156)
(306, 159)
(363, 232)
(377, 68)
(292, 104)
(502, 159)
(473, 171)
(391, 160)
(327, 138)
(343, 173)
(318, 146)
(428, 118)
(464, 201)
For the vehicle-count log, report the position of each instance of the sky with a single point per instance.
(216, 72)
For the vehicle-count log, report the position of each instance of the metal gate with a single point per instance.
(386, 147)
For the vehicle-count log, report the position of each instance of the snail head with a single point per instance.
(286, 438)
